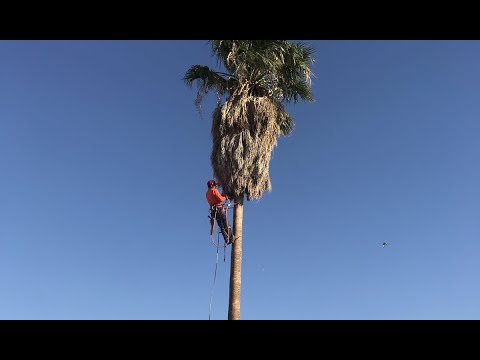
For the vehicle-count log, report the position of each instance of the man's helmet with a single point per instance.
(211, 183)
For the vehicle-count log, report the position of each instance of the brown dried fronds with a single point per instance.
(244, 132)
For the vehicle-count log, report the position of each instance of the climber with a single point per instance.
(217, 212)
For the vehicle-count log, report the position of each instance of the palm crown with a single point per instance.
(278, 69)
(260, 77)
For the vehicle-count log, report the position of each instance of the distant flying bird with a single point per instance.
(384, 244)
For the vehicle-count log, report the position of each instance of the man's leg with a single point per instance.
(222, 222)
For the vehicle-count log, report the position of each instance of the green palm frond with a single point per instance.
(208, 80)
(282, 67)
(279, 69)
(284, 120)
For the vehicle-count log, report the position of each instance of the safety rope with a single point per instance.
(217, 245)
(228, 224)
(214, 278)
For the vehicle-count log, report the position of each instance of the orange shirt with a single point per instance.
(214, 197)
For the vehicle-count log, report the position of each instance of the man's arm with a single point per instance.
(219, 196)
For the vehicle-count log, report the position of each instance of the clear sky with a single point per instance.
(104, 162)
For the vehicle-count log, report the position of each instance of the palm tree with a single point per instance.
(259, 78)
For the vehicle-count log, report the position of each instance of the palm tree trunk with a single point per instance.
(236, 261)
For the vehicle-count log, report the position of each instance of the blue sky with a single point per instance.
(105, 160)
